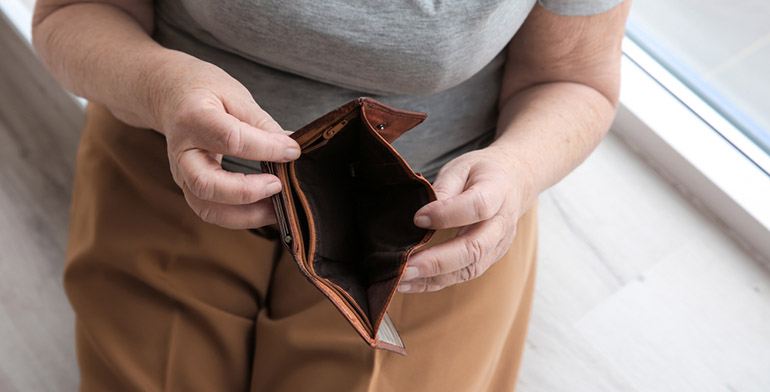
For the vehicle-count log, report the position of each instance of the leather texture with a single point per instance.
(346, 211)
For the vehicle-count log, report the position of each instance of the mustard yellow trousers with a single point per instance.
(167, 302)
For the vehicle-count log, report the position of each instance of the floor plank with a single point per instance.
(638, 291)
(697, 321)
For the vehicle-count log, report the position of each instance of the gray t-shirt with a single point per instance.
(301, 59)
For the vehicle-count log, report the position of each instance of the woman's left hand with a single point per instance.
(482, 192)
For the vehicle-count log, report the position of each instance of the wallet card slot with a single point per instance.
(324, 180)
(304, 217)
(280, 209)
(323, 136)
(348, 293)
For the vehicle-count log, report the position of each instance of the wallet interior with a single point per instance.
(362, 199)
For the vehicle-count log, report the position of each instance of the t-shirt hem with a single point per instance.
(579, 7)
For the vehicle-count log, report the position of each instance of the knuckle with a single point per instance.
(241, 191)
(474, 250)
(418, 286)
(258, 214)
(507, 232)
(244, 193)
(272, 148)
(501, 223)
(232, 140)
(207, 214)
(466, 273)
(432, 285)
(201, 186)
(258, 221)
(482, 206)
(439, 213)
(434, 265)
(265, 122)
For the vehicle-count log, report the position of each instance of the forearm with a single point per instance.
(560, 90)
(99, 52)
(547, 130)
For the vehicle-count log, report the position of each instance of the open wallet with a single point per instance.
(346, 211)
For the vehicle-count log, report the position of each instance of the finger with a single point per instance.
(247, 110)
(426, 285)
(450, 180)
(436, 283)
(247, 216)
(471, 271)
(480, 201)
(478, 245)
(219, 132)
(203, 177)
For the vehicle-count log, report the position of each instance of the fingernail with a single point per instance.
(410, 273)
(422, 221)
(403, 288)
(273, 188)
(291, 153)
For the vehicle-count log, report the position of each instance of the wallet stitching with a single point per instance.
(396, 112)
(305, 205)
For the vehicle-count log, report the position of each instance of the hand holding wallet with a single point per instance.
(346, 211)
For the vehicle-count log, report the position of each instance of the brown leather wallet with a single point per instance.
(346, 211)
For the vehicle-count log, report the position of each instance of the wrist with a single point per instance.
(161, 84)
(520, 171)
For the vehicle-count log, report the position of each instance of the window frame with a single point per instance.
(20, 16)
(724, 174)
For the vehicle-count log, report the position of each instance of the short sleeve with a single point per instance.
(578, 7)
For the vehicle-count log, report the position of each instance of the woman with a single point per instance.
(172, 294)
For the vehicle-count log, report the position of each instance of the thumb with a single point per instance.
(248, 111)
(450, 181)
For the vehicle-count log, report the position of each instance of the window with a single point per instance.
(721, 52)
(695, 104)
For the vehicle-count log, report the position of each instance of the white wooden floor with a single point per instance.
(38, 133)
(636, 290)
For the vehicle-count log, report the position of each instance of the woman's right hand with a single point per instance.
(204, 114)
(102, 50)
